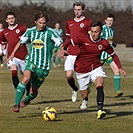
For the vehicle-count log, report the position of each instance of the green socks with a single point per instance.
(20, 90)
(31, 97)
(54, 59)
(59, 60)
(117, 82)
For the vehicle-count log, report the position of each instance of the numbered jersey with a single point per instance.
(41, 46)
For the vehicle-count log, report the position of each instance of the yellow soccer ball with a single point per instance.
(49, 114)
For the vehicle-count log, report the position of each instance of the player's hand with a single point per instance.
(123, 72)
(9, 58)
(114, 45)
(62, 54)
(3, 47)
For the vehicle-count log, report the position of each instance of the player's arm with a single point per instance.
(17, 47)
(3, 42)
(63, 52)
(24, 39)
(116, 60)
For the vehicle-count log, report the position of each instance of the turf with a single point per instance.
(56, 93)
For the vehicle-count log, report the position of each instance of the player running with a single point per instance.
(38, 61)
(2, 52)
(74, 27)
(88, 66)
(10, 37)
(108, 34)
(57, 48)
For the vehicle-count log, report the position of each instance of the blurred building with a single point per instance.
(67, 4)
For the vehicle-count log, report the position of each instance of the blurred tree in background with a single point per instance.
(25, 15)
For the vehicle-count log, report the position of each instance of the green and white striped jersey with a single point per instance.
(59, 31)
(41, 46)
(107, 33)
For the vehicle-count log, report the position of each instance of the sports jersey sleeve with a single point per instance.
(88, 25)
(114, 56)
(67, 30)
(117, 61)
(104, 34)
(58, 41)
(61, 34)
(24, 38)
(24, 28)
(66, 43)
(3, 39)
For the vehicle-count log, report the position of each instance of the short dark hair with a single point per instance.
(79, 4)
(109, 15)
(96, 23)
(10, 13)
(41, 14)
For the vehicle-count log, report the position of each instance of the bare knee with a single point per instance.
(69, 74)
(25, 79)
(84, 93)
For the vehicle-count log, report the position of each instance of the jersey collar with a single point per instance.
(79, 19)
(93, 40)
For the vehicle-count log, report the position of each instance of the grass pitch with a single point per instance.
(56, 93)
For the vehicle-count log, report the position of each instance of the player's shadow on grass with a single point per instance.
(122, 97)
(115, 104)
(53, 101)
(76, 111)
(119, 104)
(35, 115)
(111, 115)
(59, 112)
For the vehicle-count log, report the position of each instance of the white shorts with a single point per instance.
(2, 51)
(85, 79)
(69, 62)
(19, 63)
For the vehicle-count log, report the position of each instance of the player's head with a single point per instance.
(41, 19)
(109, 19)
(78, 8)
(1, 26)
(11, 18)
(96, 29)
(57, 25)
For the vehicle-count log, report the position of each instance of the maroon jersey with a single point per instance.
(12, 37)
(89, 57)
(1, 36)
(75, 29)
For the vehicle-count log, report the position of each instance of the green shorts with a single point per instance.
(56, 48)
(108, 61)
(38, 75)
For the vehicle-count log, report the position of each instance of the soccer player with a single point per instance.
(89, 68)
(74, 27)
(10, 37)
(108, 33)
(38, 61)
(56, 48)
(2, 52)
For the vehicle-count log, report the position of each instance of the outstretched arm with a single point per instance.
(19, 44)
(117, 61)
(62, 52)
